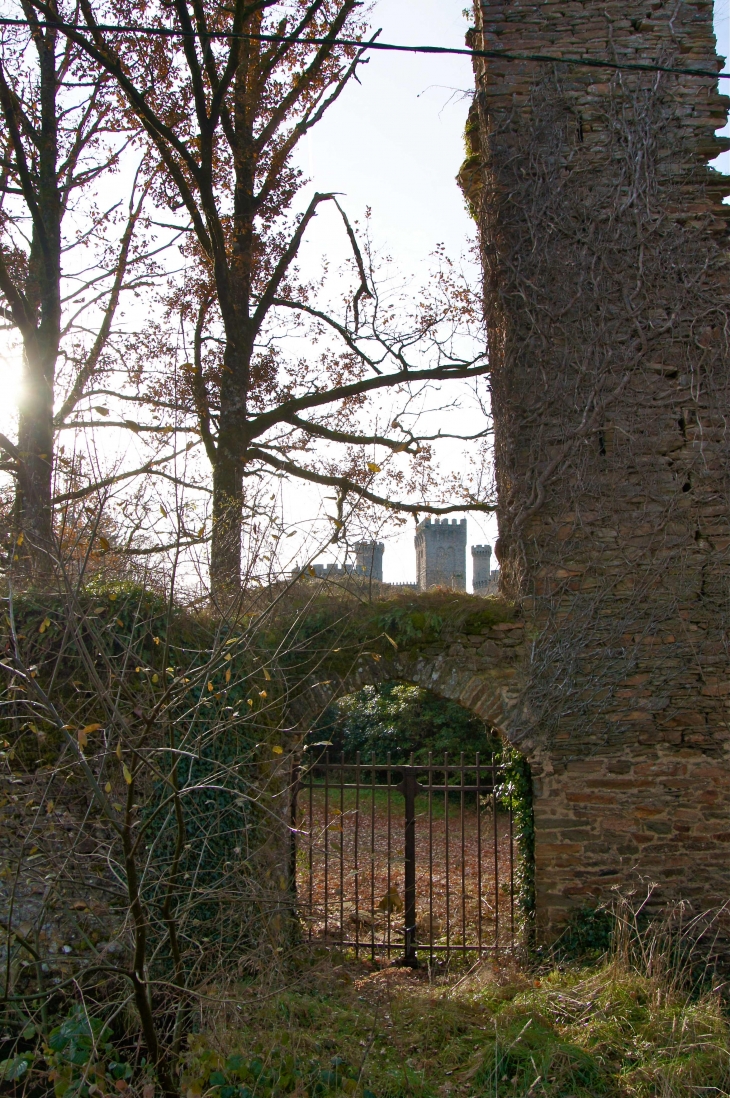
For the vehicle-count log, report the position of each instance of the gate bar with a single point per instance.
(342, 848)
(372, 859)
(357, 871)
(430, 858)
(389, 894)
(326, 843)
(479, 860)
(496, 860)
(453, 782)
(446, 851)
(408, 788)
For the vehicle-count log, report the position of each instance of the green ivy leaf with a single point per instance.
(14, 1067)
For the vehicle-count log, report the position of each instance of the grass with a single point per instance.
(349, 800)
(392, 1033)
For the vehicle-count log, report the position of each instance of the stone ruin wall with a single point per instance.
(606, 282)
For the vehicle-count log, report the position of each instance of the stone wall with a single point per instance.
(604, 243)
(475, 656)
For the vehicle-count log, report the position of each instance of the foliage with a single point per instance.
(269, 1075)
(516, 793)
(148, 792)
(401, 719)
(587, 936)
(15, 1067)
(411, 626)
(148, 768)
(111, 616)
(81, 1056)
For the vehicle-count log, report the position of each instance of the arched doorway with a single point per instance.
(414, 827)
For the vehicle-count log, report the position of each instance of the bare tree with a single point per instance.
(61, 287)
(224, 99)
(146, 842)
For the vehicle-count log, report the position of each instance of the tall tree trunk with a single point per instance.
(230, 459)
(225, 555)
(33, 506)
(37, 313)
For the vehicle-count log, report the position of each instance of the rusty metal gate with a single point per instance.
(405, 860)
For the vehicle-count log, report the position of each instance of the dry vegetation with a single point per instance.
(604, 1030)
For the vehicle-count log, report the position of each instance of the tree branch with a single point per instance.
(92, 360)
(10, 448)
(285, 261)
(349, 437)
(149, 467)
(347, 337)
(348, 486)
(200, 393)
(310, 74)
(265, 420)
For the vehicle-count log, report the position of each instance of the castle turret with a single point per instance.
(369, 559)
(441, 554)
(481, 567)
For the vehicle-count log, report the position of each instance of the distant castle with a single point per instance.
(440, 560)
(441, 554)
(482, 576)
(368, 563)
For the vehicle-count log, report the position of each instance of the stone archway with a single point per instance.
(603, 818)
(476, 659)
(473, 653)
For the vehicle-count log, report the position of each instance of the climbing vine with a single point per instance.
(515, 793)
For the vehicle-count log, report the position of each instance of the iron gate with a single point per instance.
(401, 859)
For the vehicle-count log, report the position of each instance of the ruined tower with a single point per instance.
(606, 283)
(481, 567)
(441, 554)
(369, 559)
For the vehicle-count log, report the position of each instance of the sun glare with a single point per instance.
(11, 367)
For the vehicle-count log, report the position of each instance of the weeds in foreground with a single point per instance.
(605, 1030)
(354, 1029)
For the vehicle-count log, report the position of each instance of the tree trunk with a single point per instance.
(230, 457)
(225, 554)
(39, 304)
(33, 506)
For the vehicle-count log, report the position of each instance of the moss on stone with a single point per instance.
(495, 611)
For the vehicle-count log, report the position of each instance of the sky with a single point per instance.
(395, 143)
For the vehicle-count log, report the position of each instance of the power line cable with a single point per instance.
(372, 44)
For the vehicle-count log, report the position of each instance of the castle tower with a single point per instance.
(369, 559)
(604, 242)
(481, 567)
(441, 554)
